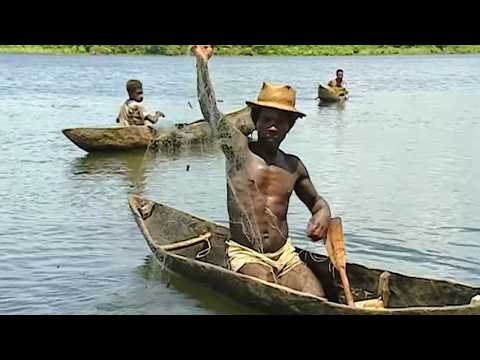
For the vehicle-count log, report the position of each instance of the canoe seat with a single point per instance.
(208, 247)
(384, 288)
(191, 242)
(383, 295)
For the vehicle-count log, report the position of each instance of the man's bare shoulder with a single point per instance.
(294, 163)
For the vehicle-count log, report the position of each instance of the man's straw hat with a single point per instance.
(280, 97)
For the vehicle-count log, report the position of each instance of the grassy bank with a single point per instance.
(251, 50)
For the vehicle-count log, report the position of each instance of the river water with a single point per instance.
(397, 163)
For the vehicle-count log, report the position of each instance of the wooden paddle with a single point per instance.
(335, 246)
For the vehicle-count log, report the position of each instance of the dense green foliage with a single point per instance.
(291, 50)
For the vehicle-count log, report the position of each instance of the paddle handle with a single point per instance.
(336, 246)
(346, 287)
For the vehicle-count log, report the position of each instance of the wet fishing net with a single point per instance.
(233, 133)
(181, 137)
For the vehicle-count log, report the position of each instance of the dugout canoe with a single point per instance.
(140, 137)
(195, 248)
(326, 95)
(131, 138)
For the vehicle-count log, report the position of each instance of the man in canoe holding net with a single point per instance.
(260, 181)
(132, 112)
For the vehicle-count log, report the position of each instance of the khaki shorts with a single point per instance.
(281, 261)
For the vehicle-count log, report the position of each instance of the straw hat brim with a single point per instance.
(274, 105)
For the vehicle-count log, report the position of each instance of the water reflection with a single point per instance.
(339, 106)
(152, 271)
(134, 165)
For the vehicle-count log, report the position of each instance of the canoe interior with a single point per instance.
(166, 226)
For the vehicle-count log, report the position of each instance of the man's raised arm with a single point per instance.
(206, 94)
(232, 130)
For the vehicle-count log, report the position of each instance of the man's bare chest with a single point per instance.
(275, 179)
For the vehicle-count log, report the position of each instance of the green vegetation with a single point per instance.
(251, 50)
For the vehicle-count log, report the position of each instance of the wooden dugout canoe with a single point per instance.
(175, 238)
(129, 138)
(326, 95)
(140, 137)
(110, 139)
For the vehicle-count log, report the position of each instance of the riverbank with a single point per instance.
(247, 50)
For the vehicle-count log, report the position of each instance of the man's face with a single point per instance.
(273, 125)
(137, 95)
(340, 75)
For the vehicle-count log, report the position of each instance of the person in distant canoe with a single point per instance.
(260, 181)
(338, 85)
(338, 81)
(132, 112)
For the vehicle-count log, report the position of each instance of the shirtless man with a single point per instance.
(338, 81)
(132, 112)
(260, 181)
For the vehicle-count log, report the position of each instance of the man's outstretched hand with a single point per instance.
(203, 52)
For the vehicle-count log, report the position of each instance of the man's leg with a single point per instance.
(301, 278)
(259, 271)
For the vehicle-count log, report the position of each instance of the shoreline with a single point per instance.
(245, 50)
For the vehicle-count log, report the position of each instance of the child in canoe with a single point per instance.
(132, 112)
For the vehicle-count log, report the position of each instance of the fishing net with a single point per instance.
(233, 133)
(181, 137)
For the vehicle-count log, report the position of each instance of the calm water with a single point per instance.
(397, 163)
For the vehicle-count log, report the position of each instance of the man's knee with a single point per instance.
(313, 286)
(301, 278)
(259, 271)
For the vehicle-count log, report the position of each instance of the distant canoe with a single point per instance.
(134, 137)
(326, 95)
(195, 248)
(139, 137)
(110, 139)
